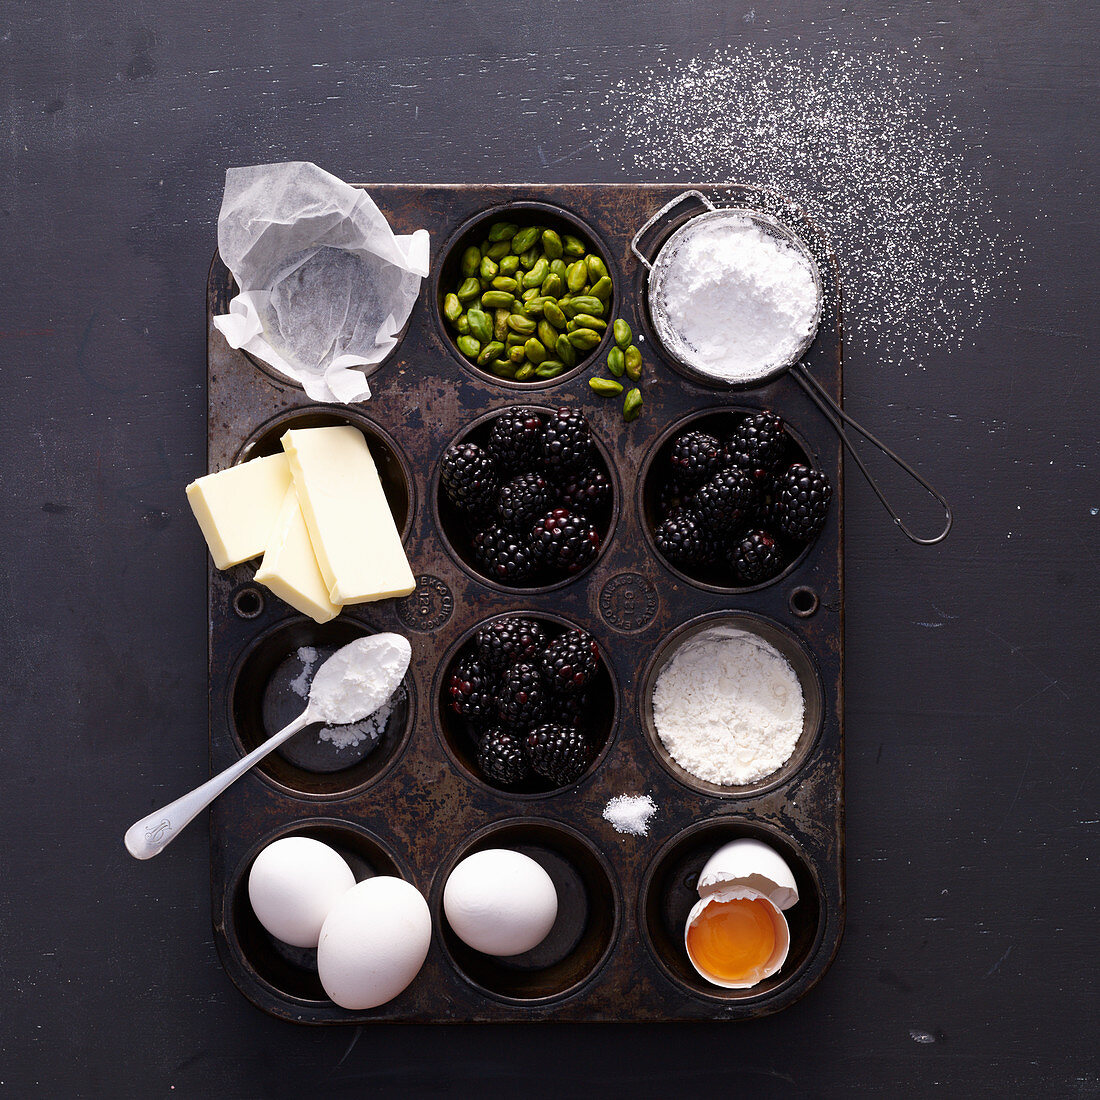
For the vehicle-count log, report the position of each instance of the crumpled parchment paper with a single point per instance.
(325, 285)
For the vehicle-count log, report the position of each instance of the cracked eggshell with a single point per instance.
(778, 956)
(373, 942)
(751, 863)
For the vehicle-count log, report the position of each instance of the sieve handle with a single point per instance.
(660, 214)
(838, 417)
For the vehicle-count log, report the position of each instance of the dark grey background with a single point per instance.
(968, 963)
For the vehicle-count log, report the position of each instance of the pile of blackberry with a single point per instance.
(531, 494)
(523, 690)
(738, 507)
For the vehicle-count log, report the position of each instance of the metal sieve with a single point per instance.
(677, 348)
(671, 338)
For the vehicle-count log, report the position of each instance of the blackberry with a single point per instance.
(685, 541)
(802, 500)
(695, 456)
(765, 499)
(758, 442)
(503, 555)
(523, 499)
(726, 500)
(588, 491)
(471, 691)
(468, 477)
(557, 753)
(673, 498)
(521, 696)
(565, 540)
(506, 641)
(515, 439)
(569, 663)
(756, 557)
(734, 459)
(501, 757)
(567, 442)
(568, 710)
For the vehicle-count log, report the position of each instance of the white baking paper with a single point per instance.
(325, 285)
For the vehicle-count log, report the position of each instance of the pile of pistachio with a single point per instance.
(530, 304)
(623, 358)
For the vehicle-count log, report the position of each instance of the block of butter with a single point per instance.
(237, 508)
(290, 566)
(353, 533)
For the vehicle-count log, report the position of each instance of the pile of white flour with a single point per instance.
(741, 300)
(728, 707)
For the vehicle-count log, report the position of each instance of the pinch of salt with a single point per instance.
(630, 813)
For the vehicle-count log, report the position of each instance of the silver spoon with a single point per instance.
(350, 686)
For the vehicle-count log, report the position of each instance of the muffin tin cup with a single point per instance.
(290, 973)
(798, 658)
(393, 468)
(450, 523)
(524, 212)
(669, 892)
(654, 470)
(423, 806)
(269, 689)
(457, 739)
(581, 939)
(280, 381)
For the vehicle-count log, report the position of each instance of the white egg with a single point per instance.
(374, 942)
(751, 863)
(293, 884)
(500, 902)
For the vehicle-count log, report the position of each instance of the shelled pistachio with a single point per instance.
(530, 302)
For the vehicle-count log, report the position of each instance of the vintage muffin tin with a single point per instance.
(413, 807)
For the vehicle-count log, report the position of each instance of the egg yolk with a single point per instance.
(733, 940)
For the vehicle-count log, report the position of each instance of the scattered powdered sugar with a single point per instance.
(300, 684)
(728, 707)
(630, 813)
(373, 726)
(866, 142)
(739, 301)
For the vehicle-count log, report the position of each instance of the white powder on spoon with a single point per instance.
(358, 679)
(742, 301)
(391, 655)
(728, 707)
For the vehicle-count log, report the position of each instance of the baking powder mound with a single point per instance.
(728, 707)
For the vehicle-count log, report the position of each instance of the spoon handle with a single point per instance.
(152, 834)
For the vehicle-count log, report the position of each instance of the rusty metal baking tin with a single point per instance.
(423, 808)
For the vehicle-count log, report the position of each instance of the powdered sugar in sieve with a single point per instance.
(735, 296)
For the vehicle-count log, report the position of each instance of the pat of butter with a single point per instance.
(237, 508)
(353, 533)
(290, 566)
